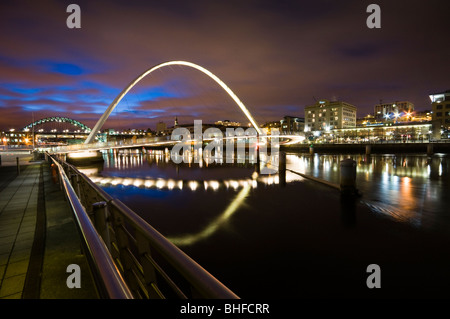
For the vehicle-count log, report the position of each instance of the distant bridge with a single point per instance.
(58, 120)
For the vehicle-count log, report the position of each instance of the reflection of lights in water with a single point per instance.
(214, 226)
(149, 183)
(193, 185)
(127, 181)
(211, 184)
(138, 182)
(116, 181)
(392, 212)
(89, 171)
(160, 183)
(171, 184)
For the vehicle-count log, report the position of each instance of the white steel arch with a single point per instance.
(116, 101)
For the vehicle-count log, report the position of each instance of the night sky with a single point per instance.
(277, 56)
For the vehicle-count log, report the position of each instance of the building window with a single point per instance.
(439, 107)
(439, 114)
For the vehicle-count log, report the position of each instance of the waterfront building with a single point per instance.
(326, 115)
(369, 119)
(161, 128)
(227, 123)
(389, 132)
(440, 104)
(394, 111)
(292, 125)
(14, 139)
(269, 127)
(421, 116)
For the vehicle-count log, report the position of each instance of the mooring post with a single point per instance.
(311, 149)
(368, 149)
(348, 177)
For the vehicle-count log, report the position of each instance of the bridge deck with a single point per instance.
(38, 238)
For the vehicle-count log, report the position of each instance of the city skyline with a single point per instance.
(278, 58)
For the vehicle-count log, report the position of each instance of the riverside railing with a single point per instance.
(109, 281)
(151, 265)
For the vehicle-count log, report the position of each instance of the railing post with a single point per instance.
(101, 219)
(147, 267)
(123, 246)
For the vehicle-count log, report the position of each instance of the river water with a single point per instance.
(266, 238)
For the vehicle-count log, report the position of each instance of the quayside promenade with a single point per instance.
(38, 237)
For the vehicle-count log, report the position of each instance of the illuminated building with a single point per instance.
(227, 123)
(13, 139)
(394, 111)
(440, 103)
(386, 132)
(292, 125)
(270, 127)
(327, 115)
(161, 128)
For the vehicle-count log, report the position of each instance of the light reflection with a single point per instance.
(393, 185)
(193, 185)
(402, 187)
(190, 239)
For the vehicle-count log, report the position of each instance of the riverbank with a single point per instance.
(376, 148)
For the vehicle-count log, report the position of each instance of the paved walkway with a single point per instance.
(18, 207)
(38, 237)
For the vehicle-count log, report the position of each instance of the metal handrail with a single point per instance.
(205, 283)
(201, 281)
(113, 283)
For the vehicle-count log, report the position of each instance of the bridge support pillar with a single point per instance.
(430, 149)
(257, 162)
(282, 168)
(311, 149)
(348, 177)
(368, 149)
